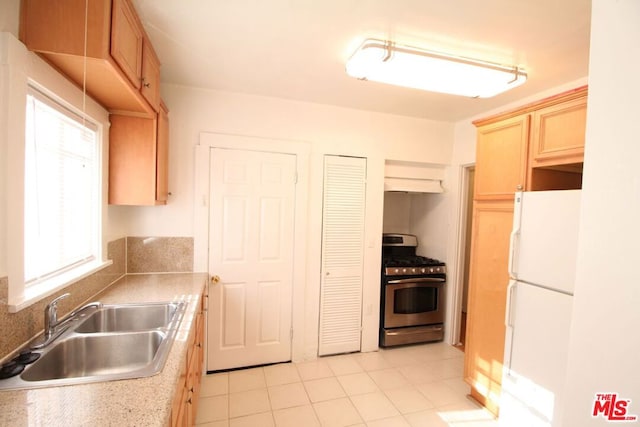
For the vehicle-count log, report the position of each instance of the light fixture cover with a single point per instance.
(386, 62)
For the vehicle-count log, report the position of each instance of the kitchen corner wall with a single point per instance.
(128, 254)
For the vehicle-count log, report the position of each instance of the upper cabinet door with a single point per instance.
(501, 158)
(559, 133)
(126, 40)
(150, 75)
(162, 156)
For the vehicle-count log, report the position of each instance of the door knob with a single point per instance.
(215, 279)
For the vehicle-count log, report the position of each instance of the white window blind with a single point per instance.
(62, 189)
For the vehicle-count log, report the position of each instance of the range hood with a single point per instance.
(411, 185)
(413, 177)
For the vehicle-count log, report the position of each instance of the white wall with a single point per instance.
(429, 221)
(8, 23)
(10, 16)
(397, 213)
(605, 347)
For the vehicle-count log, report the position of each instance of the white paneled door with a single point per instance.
(343, 209)
(251, 243)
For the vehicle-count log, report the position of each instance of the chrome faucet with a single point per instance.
(54, 327)
(51, 317)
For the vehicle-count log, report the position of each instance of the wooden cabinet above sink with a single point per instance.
(117, 50)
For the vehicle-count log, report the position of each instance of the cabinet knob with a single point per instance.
(215, 279)
(146, 85)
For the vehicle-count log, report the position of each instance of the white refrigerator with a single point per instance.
(542, 265)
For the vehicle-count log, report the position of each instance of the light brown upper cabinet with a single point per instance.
(138, 159)
(501, 157)
(557, 143)
(126, 40)
(150, 80)
(559, 133)
(111, 53)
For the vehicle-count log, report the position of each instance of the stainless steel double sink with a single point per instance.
(108, 342)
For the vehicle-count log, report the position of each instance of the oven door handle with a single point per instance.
(417, 280)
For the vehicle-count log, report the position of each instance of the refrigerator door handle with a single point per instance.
(514, 237)
(508, 312)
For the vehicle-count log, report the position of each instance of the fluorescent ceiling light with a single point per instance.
(386, 62)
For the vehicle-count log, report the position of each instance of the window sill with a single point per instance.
(42, 290)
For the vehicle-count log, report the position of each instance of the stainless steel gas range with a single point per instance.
(412, 297)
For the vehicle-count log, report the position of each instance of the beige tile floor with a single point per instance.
(407, 386)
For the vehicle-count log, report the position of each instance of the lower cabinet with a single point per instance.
(484, 346)
(185, 403)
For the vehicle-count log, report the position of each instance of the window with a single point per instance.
(62, 192)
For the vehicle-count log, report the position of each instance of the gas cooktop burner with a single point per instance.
(417, 261)
(410, 261)
(412, 266)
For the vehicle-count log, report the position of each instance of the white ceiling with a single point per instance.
(296, 49)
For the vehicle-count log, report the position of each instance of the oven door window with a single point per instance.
(412, 304)
(415, 300)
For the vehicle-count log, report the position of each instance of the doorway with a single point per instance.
(468, 182)
(251, 234)
(290, 326)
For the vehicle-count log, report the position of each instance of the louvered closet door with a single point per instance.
(342, 254)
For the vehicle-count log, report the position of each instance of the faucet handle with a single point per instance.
(51, 313)
(54, 303)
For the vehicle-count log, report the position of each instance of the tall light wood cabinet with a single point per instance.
(537, 147)
(501, 156)
(484, 341)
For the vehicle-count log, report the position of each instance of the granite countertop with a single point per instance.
(134, 402)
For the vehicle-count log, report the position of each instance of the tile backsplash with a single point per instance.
(159, 254)
(129, 255)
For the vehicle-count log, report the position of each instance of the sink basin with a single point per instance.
(128, 318)
(113, 342)
(97, 355)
